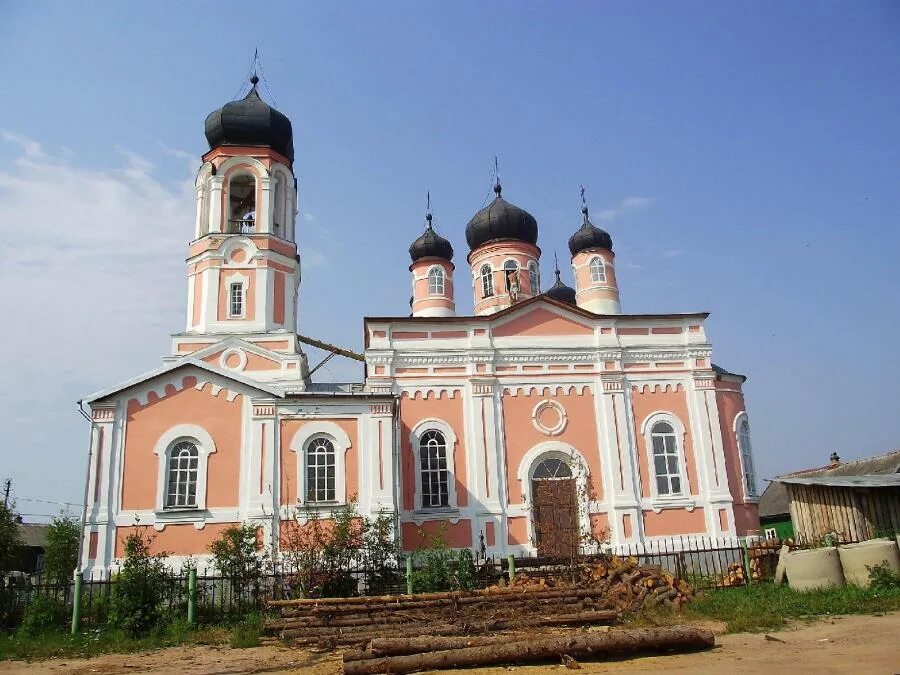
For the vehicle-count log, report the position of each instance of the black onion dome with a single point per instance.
(589, 236)
(430, 245)
(501, 220)
(559, 291)
(250, 121)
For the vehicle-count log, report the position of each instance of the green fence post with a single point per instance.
(748, 575)
(409, 576)
(192, 597)
(511, 563)
(76, 603)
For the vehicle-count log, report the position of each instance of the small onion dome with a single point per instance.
(559, 291)
(501, 220)
(430, 245)
(250, 121)
(589, 236)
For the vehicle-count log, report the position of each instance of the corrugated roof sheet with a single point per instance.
(774, 500)
(880, 464)
(869, 481)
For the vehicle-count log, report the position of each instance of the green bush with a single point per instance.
(44, 612)
(61, 552)
(246, 633)
(439, 568)
(142, 587)
(882, 577)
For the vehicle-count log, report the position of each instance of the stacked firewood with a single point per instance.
(354, 621)
(627, 586)
(586, 594)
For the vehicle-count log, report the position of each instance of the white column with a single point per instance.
(215, 204)
(378, 461)
(265, 210)
(713, 486)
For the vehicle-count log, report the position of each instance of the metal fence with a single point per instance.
(704, 562)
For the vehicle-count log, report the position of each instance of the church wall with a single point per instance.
(145, 424)
(249, 293)
(181, 540)
(522, 434)
(445, 409)
(671, 522)
(730, 401)
(455, 535)
(291, 461)
(649, 399)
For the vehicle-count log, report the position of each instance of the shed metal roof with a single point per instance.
(868, 481)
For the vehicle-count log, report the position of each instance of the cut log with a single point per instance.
(540, 649)
(461, 596)
(417, 645)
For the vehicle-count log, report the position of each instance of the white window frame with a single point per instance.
(597, 267)
(534, 278)
(239, 287)
(770, 531)
(659, 501)
(486, 274)
(315, 440)
(230, 281)
(748, 469)
(342, 444)
(436, 273)
(415, 436)
(164, 446)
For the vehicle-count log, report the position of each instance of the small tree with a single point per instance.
(238, 558)
(10, 539)
(61, 552)
(142, 585)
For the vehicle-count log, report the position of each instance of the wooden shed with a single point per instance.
(854, 501)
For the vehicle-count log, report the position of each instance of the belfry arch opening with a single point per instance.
(242, 204)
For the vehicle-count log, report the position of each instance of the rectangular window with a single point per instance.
(236, 301)
(771, 533)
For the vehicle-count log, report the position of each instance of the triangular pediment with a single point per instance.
(540, 320)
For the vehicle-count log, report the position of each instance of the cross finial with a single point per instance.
(584, 208)
(254, 79)
(497, 187)
(556, 266)
(428, 207)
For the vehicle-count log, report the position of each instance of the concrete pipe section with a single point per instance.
(814, 568)
(857, 558)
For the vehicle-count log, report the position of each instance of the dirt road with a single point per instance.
(857, 644)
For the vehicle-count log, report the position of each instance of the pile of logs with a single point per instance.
(408, 655)
(331, 622)
(627, 586)
(589, 594)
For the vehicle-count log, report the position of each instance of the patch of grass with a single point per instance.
(761, 607)
(246, 633)
(48, 644)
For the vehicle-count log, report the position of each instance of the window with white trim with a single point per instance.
(665, 459)
(434, 474)
(598, 271)
(236, 300)
(320, 470)
(182, 472)
(747, 458)
(534, 278)
(487, 281)
(435, 281)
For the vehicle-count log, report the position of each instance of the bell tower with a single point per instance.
(243, 267)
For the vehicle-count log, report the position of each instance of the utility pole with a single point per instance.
(6, 496)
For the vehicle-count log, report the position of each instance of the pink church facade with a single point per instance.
(545, 420)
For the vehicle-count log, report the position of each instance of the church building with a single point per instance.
(547, 420)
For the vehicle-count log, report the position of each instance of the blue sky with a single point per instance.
(745, 159)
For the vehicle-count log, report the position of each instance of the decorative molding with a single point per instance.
(549, 430)
(529, 389)
(381, 409)
(657, 387)
(263, 410)
(103, 414)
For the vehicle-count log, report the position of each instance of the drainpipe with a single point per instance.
(396, 464)
(79, 571)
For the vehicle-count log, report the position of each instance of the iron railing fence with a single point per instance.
(704, 562)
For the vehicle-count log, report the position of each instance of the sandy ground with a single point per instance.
(857, 644)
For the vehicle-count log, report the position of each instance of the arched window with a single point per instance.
(598, 272)
(181, 481)
(551, 468)
(487, 281)
(434, 473)
(534, 278)
(320, 474)
(435, 281)
(747, 458)
(242, 204)
(511, 274)
(665, 459)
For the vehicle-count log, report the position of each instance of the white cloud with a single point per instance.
(672, 253)
(308, 217)
(626, 205)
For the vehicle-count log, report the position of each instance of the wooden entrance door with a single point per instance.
(555, 517)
